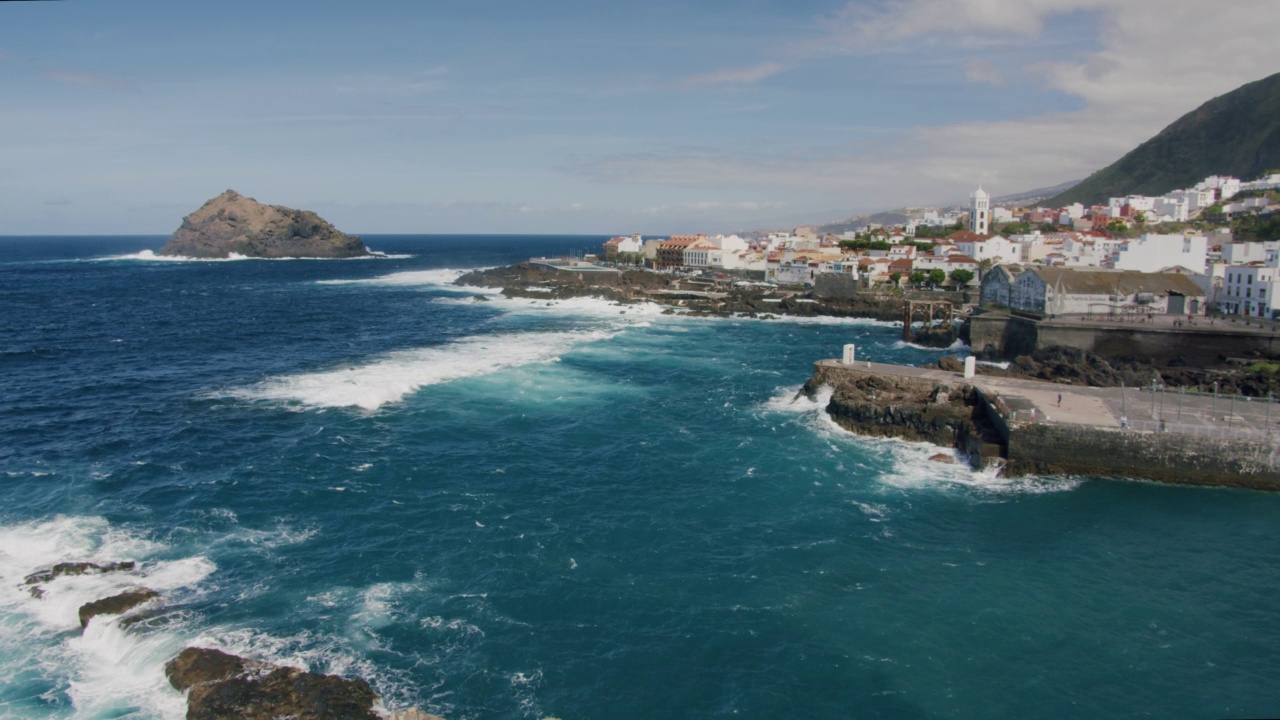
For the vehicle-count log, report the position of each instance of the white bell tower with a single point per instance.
(980, 212)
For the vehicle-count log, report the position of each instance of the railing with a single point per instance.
(1207, 414)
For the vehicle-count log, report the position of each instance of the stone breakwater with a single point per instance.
(1039, 428)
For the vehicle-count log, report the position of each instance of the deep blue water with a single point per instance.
(523, 509)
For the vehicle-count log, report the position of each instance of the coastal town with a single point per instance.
(1117, 259)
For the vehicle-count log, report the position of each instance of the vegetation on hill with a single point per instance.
(1235, 134)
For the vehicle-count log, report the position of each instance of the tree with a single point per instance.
(894, 277)
(917, 277)
(1015, 228)
(937, 276)
(960, 276)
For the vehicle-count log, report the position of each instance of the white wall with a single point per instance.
(1152, 252)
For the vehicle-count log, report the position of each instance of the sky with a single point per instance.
(568, 116)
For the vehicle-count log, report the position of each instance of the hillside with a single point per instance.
(1235, 134)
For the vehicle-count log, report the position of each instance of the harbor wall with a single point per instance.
(1008, 337)
(884, 403)
(1076, 450)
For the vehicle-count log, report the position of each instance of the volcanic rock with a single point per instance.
(116, 604)
(232, 223)
(77, 568)
(224, 686)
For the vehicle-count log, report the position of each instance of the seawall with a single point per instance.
(1005, 336)
(1042, 428)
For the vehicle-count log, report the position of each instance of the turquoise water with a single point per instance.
(523, 509)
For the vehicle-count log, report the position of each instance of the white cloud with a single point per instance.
(88, 79)
(980, 70)
(1142, 71)
(734, 76)
(406, 85)
(716, 206)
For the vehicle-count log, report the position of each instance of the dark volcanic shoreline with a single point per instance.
(686, 295)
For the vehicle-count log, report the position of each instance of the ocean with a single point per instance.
(528, 509)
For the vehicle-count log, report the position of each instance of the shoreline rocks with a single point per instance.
(527, 280)
(116, 604)
(222, 686)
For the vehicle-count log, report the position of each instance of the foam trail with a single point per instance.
(441, 278)
(956, 345)
(151, 256)
(388, 380)
(828, 320)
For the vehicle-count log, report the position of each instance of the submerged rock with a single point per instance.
(224, 686)
(116, 604)
(78, 568)
(943, 458)
(233, 223)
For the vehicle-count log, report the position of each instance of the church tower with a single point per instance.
(980, 212)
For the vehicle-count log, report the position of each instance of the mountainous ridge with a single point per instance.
(1235, 134)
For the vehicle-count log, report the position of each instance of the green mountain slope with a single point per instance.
(1235, 134)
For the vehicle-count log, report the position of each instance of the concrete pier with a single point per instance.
(1154, 433)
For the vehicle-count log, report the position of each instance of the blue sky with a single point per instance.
(569, 116)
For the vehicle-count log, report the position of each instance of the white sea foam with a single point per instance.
(105, 671)
(442, 278)
(1003, 365)
(152, 256)
(373, 384)
(956, 345)
(908, 462)
(826, 320)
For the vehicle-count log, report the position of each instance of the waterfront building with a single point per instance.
(671, 252)
(1076, 291)
(1251, 290)
(997, 285)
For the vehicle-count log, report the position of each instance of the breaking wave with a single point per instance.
(390, 379)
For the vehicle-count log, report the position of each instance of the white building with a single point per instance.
(1196, 200)
(1251, 290)
(1226, 187)
(980, 212)
(1153, 252)
(1170, 210)
(994, 247)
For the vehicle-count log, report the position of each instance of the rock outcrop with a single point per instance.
(116, 604)
(223, 686)
(232, 223)
(77, 568)
(73, 568)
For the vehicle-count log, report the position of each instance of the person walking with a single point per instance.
(1059, 399)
